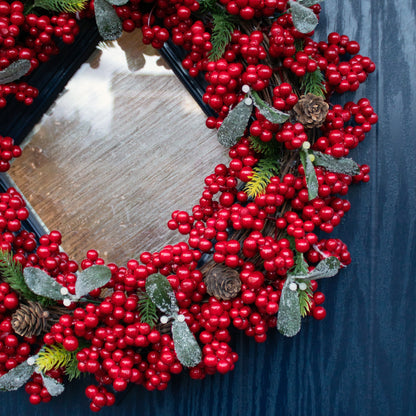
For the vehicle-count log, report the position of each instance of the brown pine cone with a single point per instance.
(311, 110)
(30, 320)
(223, 282)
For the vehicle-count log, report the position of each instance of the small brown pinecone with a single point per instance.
(311, 110)
(223, 282)
(30, 320)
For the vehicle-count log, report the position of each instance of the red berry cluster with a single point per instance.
(8, 150)
(22, 91)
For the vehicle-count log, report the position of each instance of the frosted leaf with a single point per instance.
(186, 347)
(161, 293)
(234, 125)
(308, 3)
(14, 71)
(304, 19)
(327, 267)
(342, 165)
(16, 377)
(289, 317)
(91, 278)
(42, 284)
(117, 2)
(108, 23)
(54, 388)
(310, 174)
(272, 114)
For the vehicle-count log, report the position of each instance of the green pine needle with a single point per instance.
(69, 6)
(313, 82)
(268, 149)
(305, 299)
(147, 309)
(208, 6)
(56, 356)
(265, 169)
(301, 266)
(223, 26)
(11, 272)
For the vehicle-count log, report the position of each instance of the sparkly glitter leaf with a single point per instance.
(304, 19)
(234, 125)
(186, 347)
(117, 2)
(108, 23)
(327, 267)
(308, 3)
(288, 317)
(160, 292)
(91, 278)
(54, 388)
(16, 377)
(272, 114)
(42, 284)
(14, 71)
(310, 174)
(342, 165)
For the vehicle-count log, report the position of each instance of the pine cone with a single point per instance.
(311, 110)
(222, 282)
(30, 320)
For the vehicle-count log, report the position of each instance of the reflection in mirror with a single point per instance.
(123, 147)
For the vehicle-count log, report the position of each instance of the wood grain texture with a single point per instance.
(361, 360)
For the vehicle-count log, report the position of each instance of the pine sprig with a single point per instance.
(56, 356)
(313, 82)
(268, 149)
(265, 169)
(68, 6)
(223, 26)
(12, 273)
(147, 309)
(305, 298)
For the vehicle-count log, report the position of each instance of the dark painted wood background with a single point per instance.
(361, 360)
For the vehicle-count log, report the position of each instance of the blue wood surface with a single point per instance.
(361, 360)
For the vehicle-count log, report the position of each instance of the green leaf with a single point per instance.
(16, 377)
(42, 284)
(272, 114)
(288, 316)
(304, 19)
(234, 125)
(186, 347)
(14, 71)
(310, 174)
(54, 388)
(342, 165)
(108, 23)
(327, 267)
(147, 309)
(91, 278)
(161, 293)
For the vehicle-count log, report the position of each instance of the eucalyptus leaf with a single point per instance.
(288, 316)
(342, 165)
(304, 19)
(54, 388)
(272, 114)
(327, 267)
(117, 2)
(310, 174)
(186, 346)
(42, 284)
(16, 377)
(234, 125)
(91, 278)
(14, 71)
(161, 293)
(108, 23)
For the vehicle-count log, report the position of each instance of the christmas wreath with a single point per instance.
(252, 256)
